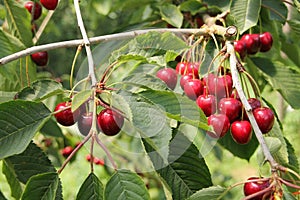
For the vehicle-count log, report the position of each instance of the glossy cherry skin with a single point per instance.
(67, 151)
(252, 42)
(264, 118)
(266, 41)
(219, 86)
(240, 47)
(254, 103)
(193, 88)
(207, 103)
(184, 79)
(49, 4)
(66, 117)
(220, 124)
(230, 107)
(85, 123)
(169, 76)
(110, 122)
(40, 58)
(241, 131)
(183, 68)
(37, 9)
(256, 186)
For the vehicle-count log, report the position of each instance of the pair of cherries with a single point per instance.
(48, 4)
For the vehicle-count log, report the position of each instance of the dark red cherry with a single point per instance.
(207, 103)
(240, 47)
(266, 41)
(256, 186)
(66, 117)
(110, 122)
(37, 9)
(183, 68)
(230, 107)
(220, 124)
(49, 4)
(264, 118)
(241, 131)
(67, 151)
(184, 79)
(40, 58)
(252, 42)
(193, 88)
(85, 123)
(169, 76)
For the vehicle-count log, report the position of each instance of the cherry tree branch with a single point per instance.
(219, 30)
(236, 83)
(87, 43)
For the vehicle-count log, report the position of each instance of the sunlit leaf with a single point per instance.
(246, 13)
(14, 183)
(91, 189)
(19, 121)
(171, 14)
(211, 193)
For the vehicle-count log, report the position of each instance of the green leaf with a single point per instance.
(149, 120)
(19, 21)
(125, 185)
(177, 107)
(6, 96)
(80, 99)
(242, 151)
(41, 187)
(144, 80)
(274, 145)
(295, 25)
(185, 171)
(192, 6)
(246, 13)
(278, 10)
(171, 14)
(19, 121)
(31, 162)
(293, 160)
(2, 197)
(92, 188)
(40, 90)
(51, 128)
(14, 183)
(276, 74)
(211, 193)
(152, 46)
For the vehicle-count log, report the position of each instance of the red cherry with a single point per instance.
(256, 186)
(85, 123)
(266, 41)
(252, 43)
(66, 117)
(49, 4)
(220, 124)
(240, 47)
(199, 22)
(88, 157)
(40, 58)
(193, 88)
(183, 68)
(230, 107)
(241, 131)
(207, 103)
(219, 86)
(67, 151)
(37, 9)
(98, 161)
(193, 67)
(184, 79)
(254, 103)
(110, 122)
(169, 76)
(264, 118)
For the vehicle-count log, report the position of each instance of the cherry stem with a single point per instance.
(219, 30)
(79, 48)
(263, 192)
(92, 151)
(110, 158)
(236, 83)
(107, 71)
(86, 43)
(74, 152)
(289, 184)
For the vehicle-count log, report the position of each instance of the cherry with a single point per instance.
(66, 117)
(264, 118)
(85, 123)
(193, 88)
(49, 4)
(67, 151)
(169, 76)
(207, 103)
(40, 58)
(220, 124)
(254, 103)
(230, 107)
(266, 41)
(256, 186)
(97, 161)
(184, 79)
(183, 68)
(219, 86)
(37, 9)
(110, 122)
(241, 131)
(240, 47)
(252, 42)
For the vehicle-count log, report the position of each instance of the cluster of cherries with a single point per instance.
(253, 43)
(214, 94)
(109, 121)
(39, 58)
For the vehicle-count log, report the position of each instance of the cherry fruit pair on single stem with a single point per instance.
(48, 4)
(109, 121)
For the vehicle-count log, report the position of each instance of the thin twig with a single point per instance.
(87, 43)
(236, 83)
(111, 37)
(106, 152)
